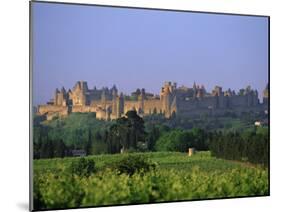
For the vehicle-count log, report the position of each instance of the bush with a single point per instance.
(134, 163)
(83, 167)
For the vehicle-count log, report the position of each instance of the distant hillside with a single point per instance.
(226, 122)
(73, 129)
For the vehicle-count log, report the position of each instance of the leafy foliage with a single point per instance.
(83, 131)
(178, 177)
(126, 133)
(73, 129)
(251, 146)
(83, 167)
(229, 121)
(134, 163)
(181, 140)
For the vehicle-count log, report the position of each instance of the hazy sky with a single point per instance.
(136, 48)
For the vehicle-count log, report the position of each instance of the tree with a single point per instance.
(152, 137)
(246, 146)
(89, 143)
(60, 149)
(136, 128)
(126, 132)
(47, 149)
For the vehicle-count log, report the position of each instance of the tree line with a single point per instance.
(180, 140)
(131, 134)
(125, 134)
(251, 146)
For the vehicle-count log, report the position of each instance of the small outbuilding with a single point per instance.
(78, 153)
(191, 151)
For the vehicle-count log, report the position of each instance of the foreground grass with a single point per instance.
(177, 177)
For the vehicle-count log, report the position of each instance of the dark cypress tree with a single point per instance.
(59, 149)
(89, 143)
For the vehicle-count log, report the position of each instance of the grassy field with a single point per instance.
(176, 177)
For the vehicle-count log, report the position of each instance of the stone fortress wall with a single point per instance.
(184, 101)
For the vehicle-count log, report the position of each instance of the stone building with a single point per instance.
(108, 104)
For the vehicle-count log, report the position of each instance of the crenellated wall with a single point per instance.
(83, 109)
(107, 104)
(151, 105)
(44, 109)
(129, 105)
(207, 102)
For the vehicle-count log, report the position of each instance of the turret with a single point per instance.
(166, 101)
(219, 98)
(61, 97)
(114, 93)
(120, 105)
(79, 93)
(63, 90)
(141, 97)
(200, 91)
(114, 90)
(217, 91)
(84, 86)
(69, 95)
(103, 97)
(194, 90)
(56, 96)
(114, 101)
(107, 113)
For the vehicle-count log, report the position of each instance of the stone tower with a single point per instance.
(141, 100)
(218, 94)
(194, 90)
(114, 101)
(119, 105)
(103, 98)
(78, 94)
(56, 96)
(61, 97)
(166, 98)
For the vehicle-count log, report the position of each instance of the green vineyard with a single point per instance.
(160, 176)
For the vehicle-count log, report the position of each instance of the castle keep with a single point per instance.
(109, 104)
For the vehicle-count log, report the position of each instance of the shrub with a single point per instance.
(83, 167)
(134, 163)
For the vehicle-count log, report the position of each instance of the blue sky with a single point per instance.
(137, 48)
